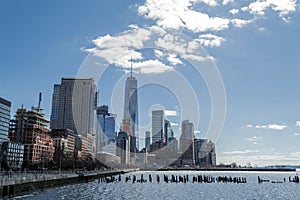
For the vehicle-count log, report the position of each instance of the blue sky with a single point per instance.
(253, 44)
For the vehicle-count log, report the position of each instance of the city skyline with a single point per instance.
(253, 43)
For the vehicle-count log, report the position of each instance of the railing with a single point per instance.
(12, 178)
(20, 178)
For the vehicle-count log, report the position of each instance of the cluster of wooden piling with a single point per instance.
(175, 179)
(294, 179)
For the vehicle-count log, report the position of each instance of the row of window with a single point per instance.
(4, 107)
(5, 124)
(6, 120)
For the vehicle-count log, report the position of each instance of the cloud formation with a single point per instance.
(241, 152)
(186, 14)
(255, 140)
(268, 126)
(283, 7)
(169, 113)
(205, 26)
(211, 40)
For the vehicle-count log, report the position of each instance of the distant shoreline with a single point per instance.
(230, 169)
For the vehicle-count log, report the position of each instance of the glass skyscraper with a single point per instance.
(157, 126)
(74, 104)
(131, 109)
(106, 127)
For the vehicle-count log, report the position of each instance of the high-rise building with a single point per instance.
(157, 126)
(4, 119)
(31, 129)
(106, 127)
(74, 106)
(187, 142)
(205, 154)
(168, 131)
(147, 140)
(123, 147)
(11, 153)
(54, 109)
(131, 108)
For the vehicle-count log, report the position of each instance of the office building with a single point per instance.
(54, 108)
(64, 145)
(147, 140)
(187, 143)
(123, 147)
(157, 126)
(205, 154)
(131, 108)
(11, 153)
(74, 104)
(106, 127)
(5, 107)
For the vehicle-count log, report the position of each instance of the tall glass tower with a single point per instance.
(74, 104)
(131, 108)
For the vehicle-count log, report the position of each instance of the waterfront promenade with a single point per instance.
(16, 183)
(16, 178)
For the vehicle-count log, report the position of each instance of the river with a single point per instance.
(172, 190)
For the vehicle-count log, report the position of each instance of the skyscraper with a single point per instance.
(123, 147)
(131, 107)
(54, 109)
(74, 105)
(147, 140)
(157, 126)
(106, 127)
(187, 142)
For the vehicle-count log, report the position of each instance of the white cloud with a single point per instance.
(234, 11)
(211, 40)
(151, 67)
(170, 113)
(268, 126)
(180, 14)
(296, 134)
(241, 152)
(283, 7)
(225, 2)
(253, 139)
(240, 22)
(298, 123)
(209, 2)
(173, 59)
(158, 53)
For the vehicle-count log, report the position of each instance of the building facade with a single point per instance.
(205, 154)
(187, 143)
(106, 127)
(157, 126)
(74, 104)
(147, 140)
(5, 107)
(31, 129)
(122, 144)
(131, 109)
(11, 153)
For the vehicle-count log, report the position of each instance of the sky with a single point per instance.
(230, 67)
